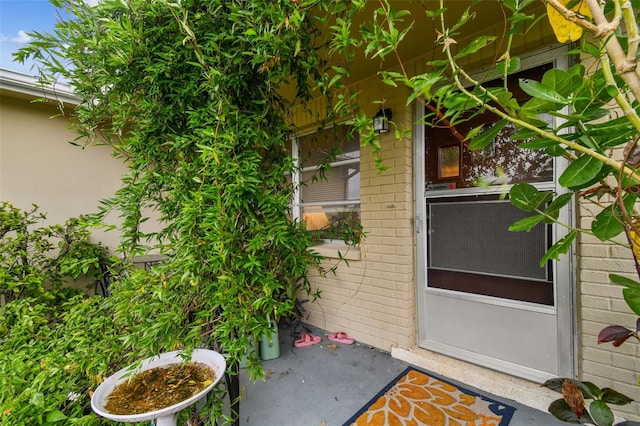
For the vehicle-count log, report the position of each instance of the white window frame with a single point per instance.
(328, 248)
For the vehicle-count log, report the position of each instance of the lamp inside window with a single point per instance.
(315, 219)
(381, 120)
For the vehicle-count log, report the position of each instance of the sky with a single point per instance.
(17, 19)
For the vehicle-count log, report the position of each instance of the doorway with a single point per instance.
(482, 295)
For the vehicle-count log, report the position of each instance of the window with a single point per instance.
(452, 165)
(327, 182)
(470, 248)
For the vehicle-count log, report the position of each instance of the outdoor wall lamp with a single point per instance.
(381, 120)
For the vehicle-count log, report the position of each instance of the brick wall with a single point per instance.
(373, 298)
(601, 304)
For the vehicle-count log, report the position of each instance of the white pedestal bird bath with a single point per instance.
(164, 416)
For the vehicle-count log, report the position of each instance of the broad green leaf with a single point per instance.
(37, 399)
(601, 413)
(473, 132)
(561, 247)
(526, 224)
(458, 101)
(589, 142)
(577, 72)
(524, 134)
(541, 91)
(555, 151)
(553, 209)
(607, 224)
(561, 410)
(55, 416)
(554, 384)
(611, 133)
(463, 19)
(439, 63)
(612, 91)
(624, 281)
(486, 137)
(559, 80)
(606, 170)
(435, 13)
(527, 197)
(589, 390)
(522, 196)
(513, 65)
(475, 45)
(628, 182)
(506, 99)
(632, 297)
(611, 396)
(614, 140)
(512, 5)
(536, 106)
(591, 50)
(517, 20)
(422, 85)
(581, 171)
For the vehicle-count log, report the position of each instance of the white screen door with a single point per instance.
(483, 296)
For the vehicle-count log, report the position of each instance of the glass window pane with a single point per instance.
(501, 161)
(340, 183)
(330, 190)
(449, 161)
(504, 159)
(333, 222)
(337, 144)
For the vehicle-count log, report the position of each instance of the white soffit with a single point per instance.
(24, 84)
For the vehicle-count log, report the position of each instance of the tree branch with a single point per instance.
(626, 68)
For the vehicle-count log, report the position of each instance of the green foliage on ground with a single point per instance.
(55, 342)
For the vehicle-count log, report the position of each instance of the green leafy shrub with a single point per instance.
(54, 349)
(190, 94)
(572, 407)
(35, 258)
(56, 343)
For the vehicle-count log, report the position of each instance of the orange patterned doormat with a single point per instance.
(415, 398)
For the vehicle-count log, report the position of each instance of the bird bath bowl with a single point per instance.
(164, 416)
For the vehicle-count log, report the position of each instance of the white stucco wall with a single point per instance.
(39, 166)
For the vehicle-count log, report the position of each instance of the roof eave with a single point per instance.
(28, 85)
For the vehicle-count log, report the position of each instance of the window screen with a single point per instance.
(473, 237)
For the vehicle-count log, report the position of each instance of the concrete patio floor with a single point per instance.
(325, 385)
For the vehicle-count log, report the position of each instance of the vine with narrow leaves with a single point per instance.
(191, 95)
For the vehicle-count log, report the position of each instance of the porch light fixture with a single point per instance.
(381, 120)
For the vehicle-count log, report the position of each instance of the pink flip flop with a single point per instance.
(341, 337)
(306, 340)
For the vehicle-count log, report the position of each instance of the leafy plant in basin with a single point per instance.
(572, 407)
